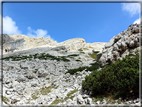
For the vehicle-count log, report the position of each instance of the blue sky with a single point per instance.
(95, 22)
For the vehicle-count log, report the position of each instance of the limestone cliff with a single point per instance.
(120, 45)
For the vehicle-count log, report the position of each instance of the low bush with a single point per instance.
(94, 66)
(41, 56)
(121, 79)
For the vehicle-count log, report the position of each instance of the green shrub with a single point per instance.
(78, 60)
(72, 71)
(80, 50)
(73, 55)
(121, 79)
(94, 66)
(41, 56)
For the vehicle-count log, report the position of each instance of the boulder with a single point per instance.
(80, 100)
(119, 46)
(89, 101)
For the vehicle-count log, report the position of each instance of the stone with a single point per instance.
(89, 101)
(131, 44)
(13, 101)
(42, 73)
(30, 75)
(110, 43)
(8, 92)
(68, 101)
(21, 78)
(34, 84)
(54, 84)
(84, 96)
(80, 99)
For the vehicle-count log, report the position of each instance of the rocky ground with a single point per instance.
(44, 82)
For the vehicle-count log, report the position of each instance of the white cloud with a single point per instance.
(9, 26)
(137, 21)
(131, 8)
(37, 33)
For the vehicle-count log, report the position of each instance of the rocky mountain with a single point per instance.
(36, 70)
(120, 45)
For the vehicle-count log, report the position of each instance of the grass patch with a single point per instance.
(72, 92)
(57, 100)
(85, 49)
(82, 52)
(90, 47)
(93, 55)
(45, 91)
(71, 97)
(5, 100)
(47, 78)
(29, 100)
(35, 95)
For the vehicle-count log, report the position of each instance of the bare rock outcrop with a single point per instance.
(120, 45)
(22, 42)
(73, 44)
(6, 38)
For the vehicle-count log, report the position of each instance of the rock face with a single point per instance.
(6, 38)
(73, 44)
(22, 42)
(13, 45)
(120, 45)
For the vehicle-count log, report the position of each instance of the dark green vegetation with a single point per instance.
(119, 79)
(80, 50)
(94, 66)
(41, 56)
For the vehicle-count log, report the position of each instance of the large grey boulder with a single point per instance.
(120, 45)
